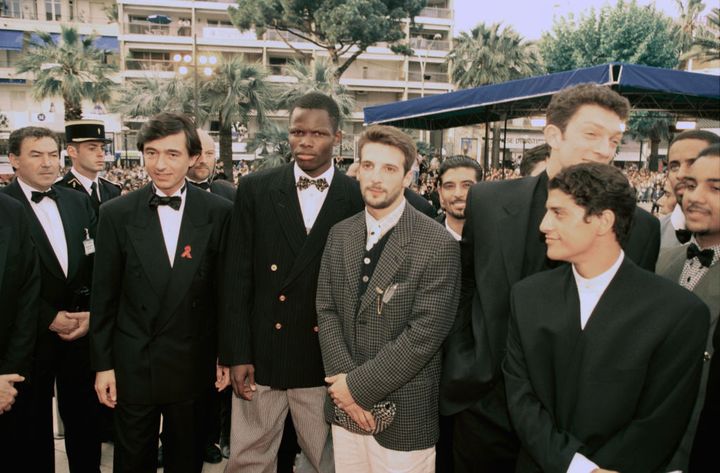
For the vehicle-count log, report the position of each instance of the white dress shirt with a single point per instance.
(48, 214)
(376, 229)
(677, 218)
(311, 199)
(87, 183)
(590, 291)
(454, 234)
(170, 220)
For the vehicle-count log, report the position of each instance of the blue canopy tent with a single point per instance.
(686, 94)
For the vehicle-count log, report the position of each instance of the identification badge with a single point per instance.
(88, 243)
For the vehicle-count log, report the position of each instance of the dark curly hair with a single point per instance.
(36, 132)
(566, 103)
(598, 187)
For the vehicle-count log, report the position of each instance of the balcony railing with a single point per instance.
(416, 76)
(274, 35)
(431, 44)
(145, 27)
(155, 65)
(435, 12)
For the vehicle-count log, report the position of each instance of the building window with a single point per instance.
(53, 10)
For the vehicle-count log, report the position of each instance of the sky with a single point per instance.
(531, 18)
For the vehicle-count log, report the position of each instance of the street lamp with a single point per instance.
(185, 61)
(423, 63)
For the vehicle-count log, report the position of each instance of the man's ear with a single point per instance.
(72, 151)
(606, 222)
(338, 137)
(553, 136)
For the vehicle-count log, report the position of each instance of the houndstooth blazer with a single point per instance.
(394, 355)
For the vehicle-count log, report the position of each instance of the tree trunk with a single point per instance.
(73, 111)
(226, 149)
(654, 150)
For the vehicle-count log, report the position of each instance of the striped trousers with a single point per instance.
(257, 428)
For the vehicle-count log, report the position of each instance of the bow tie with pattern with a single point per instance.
(36, 196)
(174, 202)
(303, 183)
(704, 256)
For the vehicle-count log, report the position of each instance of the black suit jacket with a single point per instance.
(273, 264)
(493, 257)
(60, 292)
(420, 203)
(108, 190)
(223, 188)
(704, 450)
(154, 324)
(19, 289)
(620, 392)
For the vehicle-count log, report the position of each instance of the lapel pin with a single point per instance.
(186, 252)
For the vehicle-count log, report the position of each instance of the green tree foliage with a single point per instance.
(319, 76)
(73, 69)
(706, 43)
(234, 92)
(344, 28)
(625, 32)
(490, 55)
(652, 126)
(272, 141)
(688, 22)
(152, 95)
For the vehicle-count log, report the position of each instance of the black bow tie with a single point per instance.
(303, 183)
(683, 236)
(174, 202)
(38, 196)
(704, 256)
(205, 185)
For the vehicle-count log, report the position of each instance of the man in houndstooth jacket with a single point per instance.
(388, 288)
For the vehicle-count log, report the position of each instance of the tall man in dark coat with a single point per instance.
(387, 294)
(86, 147)
(269, 330)
(501, 245)
(62, 225)
(20, 295)
(154, 324)
(603, 358)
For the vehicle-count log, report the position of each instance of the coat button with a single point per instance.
(365, 279)
(273, 267)
(278, 326)
(706, 356)
(366, 260)
(282, 298)
(316, 329)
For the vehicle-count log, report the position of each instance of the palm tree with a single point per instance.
(653, 126)
(73, 69)
(272, 140)
(490, 55)
(688, 25)
(235, 91)
(318, 76)
(706, 44)
(152, 95)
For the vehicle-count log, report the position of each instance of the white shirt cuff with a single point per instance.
(580, 464)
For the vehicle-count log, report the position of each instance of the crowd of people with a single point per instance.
(542, 323)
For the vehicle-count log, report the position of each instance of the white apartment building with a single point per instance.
(169, 37)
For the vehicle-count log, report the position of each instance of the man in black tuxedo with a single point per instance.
(202, 173)
(501, 245)
(603, 358)
(269, 333)
(62, 224)
(20, 294)
(86, 147)
(154, 325)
